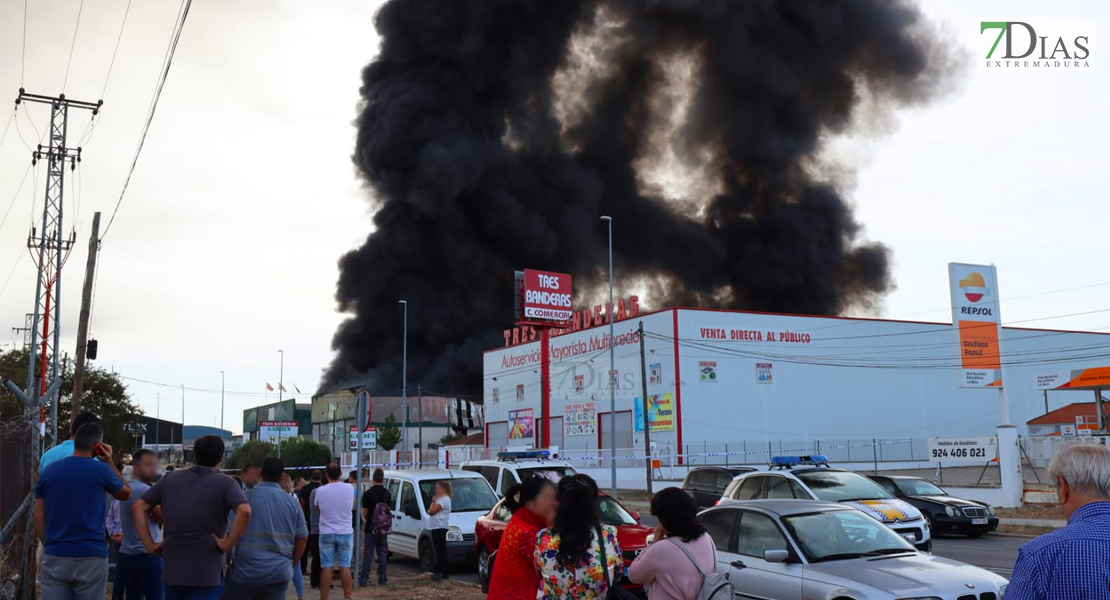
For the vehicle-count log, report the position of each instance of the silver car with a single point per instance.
(808, 550)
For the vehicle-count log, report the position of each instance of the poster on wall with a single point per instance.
(521, 424)
(496, 396)
(579, 383)
(763, 373)
(707, 370)
(369, 438)
(661, 415)
(580, 419)
(520, 392)
(655, 373)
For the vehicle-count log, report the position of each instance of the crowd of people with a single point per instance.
(196, 534)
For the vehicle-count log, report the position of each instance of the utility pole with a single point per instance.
(420, 425)
(26, 329)
(404, 381)
(83, 321)
(647, 407)
(222, 378)
(49, 246)
(182, 424)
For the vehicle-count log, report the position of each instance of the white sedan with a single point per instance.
(808, 550)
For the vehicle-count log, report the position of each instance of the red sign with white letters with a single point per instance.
(546, 296)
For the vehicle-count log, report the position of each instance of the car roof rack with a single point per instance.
(523, 455)
(789, 462)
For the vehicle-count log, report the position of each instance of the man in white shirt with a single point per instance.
(334, 502)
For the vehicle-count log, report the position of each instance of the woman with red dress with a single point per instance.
(533, 505)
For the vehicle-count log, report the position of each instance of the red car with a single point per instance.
(631, 535)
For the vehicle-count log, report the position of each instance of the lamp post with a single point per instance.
(612, 372)
(404, 379)
(281, 388)
(222, 378)
(158, 429)
(182, 424)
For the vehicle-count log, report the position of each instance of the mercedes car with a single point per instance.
(946, 514)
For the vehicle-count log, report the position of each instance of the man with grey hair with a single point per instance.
(1071, 563)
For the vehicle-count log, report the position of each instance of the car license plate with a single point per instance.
(909, 537)
(982, 521)
(626, 571)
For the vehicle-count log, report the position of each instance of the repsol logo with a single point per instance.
(977, 310)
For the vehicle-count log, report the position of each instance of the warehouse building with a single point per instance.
(743, 379)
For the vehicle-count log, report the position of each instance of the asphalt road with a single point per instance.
(992, 552)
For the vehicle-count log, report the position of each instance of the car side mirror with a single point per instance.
(635, 516)
(412, 511)
(776, 556)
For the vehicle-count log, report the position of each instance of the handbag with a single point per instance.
(613, 592)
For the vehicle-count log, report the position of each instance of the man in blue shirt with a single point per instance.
(69, 518)
(1073, 562)
(65, 449)
(272, 544)
(139, 571)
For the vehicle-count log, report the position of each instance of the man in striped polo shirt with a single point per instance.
(273, 543)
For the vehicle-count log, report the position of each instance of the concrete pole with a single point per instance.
(612, 373)
(222, 379)
(404, 379)
(647, 407)
(83, 326)
(183, 423)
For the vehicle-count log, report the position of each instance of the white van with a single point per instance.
(471, 497)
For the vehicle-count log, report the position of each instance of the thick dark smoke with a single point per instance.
(494, 133)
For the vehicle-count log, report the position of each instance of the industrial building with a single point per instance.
(287, 411)
(718, 377)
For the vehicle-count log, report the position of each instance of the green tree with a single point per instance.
(105, 395)
(254, 452)
(450, 437)
(303, 452)
(389, 434)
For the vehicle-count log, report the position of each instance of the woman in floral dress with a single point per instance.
(568, 555)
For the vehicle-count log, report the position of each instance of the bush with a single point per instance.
(254, 452)
(303, 452)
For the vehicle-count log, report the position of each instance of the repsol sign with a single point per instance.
(977, 310)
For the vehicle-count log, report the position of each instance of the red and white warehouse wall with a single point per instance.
(727, 376)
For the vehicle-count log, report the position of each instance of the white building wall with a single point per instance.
(834, 380)
(582, 353)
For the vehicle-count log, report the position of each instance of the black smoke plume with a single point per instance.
(494, 133)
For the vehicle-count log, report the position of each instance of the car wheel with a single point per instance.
(427, 556)
(483, 569)
(933, 531)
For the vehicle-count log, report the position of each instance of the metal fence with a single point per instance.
(1040, 450)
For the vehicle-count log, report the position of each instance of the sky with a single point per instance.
(224, 248)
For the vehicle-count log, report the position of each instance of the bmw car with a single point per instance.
(806, 550)
(946, 514)
(811, 478)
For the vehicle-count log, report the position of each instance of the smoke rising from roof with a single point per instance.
(493, 134)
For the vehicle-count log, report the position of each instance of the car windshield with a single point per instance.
(470, 494)
(553, 472)
(843, 535)
(838, 486)
(918, 487)
(612, 513)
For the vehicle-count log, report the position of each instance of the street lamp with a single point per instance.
(222, 378)
(612, 372)
(404, 379)
(182, 424)
(281, 388)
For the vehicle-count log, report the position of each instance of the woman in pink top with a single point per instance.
(663, 566)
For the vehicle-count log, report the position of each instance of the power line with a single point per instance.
(12, 272)
(6, 127)
(166, 63)
(15, 196)
(118, 38)
(72, 44)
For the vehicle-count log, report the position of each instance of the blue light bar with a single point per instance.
(523, 455)
(792, 461)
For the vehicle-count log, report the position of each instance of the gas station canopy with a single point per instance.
(1095, 378)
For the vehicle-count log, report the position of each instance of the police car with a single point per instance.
(811, 478)
(512, 468)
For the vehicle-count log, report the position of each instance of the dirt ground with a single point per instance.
(418, 587)
(1028, 530)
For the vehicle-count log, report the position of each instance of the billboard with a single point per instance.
(661, 417)
(975, 317)
(369, 438)
(270, 431)
(971, 450)
(546, 296)
(1074, 379)
(579, 418)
